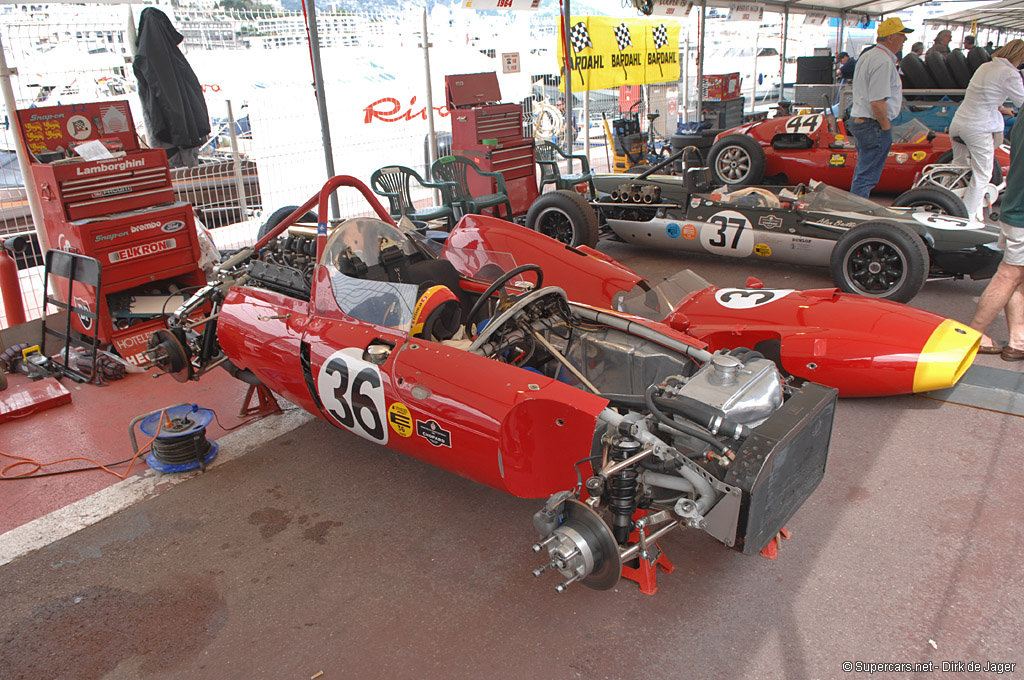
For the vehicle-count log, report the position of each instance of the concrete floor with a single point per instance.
(319, 551)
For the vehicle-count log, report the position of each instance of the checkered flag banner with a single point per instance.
(579, 37)
(622, 36)
(660, 36)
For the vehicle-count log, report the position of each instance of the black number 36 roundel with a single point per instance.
(352, 393)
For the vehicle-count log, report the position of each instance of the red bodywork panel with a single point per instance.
(827, 161)
(513, 430)
(594, 277)
(862, 346)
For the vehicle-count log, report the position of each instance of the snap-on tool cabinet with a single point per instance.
(491, 134)
(120, 211)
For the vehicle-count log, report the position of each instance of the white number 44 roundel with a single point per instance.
(352, 393)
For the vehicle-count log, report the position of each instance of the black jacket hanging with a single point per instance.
(172, 98)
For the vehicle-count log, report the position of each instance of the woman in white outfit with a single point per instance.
(979, 119)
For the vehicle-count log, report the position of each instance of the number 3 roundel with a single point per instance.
(352, 393)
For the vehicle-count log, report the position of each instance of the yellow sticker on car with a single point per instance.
(919, 155)
(763, 249)
(400, 419)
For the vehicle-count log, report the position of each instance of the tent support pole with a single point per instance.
(321, 101)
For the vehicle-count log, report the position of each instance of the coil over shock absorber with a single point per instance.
(623, 486)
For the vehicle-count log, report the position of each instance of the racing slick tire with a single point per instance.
(939, 70)
(564, 216)
(880, 259)
(916, 76)
(976, 57)
(957, 63)
(933, 199)
(737, 160)
(997, 169)
(278, 216)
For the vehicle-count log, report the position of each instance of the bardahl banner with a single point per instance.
(608, 52)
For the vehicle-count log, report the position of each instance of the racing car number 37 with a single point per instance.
(352, 393)
(728, 233)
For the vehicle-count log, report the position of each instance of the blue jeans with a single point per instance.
(873, 144)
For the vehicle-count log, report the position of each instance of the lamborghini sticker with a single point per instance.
(352, 393)
(747, 298)
(400, 419)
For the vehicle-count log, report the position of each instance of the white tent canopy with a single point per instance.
(1007, 15)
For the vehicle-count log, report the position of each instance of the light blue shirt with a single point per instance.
(876, 78)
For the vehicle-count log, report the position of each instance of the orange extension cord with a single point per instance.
(37, 465)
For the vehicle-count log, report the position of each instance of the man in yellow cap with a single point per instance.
(877, 97)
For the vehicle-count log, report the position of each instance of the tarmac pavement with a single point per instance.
(319, 551)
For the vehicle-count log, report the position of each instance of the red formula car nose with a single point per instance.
(863, 347)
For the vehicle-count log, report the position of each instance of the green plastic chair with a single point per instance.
(394, 183)
(455, 170)
(549, 156)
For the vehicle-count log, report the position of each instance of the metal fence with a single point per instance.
(257, 64)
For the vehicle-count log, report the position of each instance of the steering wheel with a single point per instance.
(498, 283)
(512, 312)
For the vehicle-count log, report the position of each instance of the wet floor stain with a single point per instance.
(87, 634)
(271, 521)
(857, 493)
(318, 532)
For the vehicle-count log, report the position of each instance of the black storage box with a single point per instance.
(815, 70)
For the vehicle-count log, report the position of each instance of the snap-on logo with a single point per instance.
(142, 250)
(171, 227)
(112, 192)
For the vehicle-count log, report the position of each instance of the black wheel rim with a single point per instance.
(733, 164)
(875, 267)
(556, 224)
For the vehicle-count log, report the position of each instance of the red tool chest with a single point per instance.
(120, 211)
(491, 134)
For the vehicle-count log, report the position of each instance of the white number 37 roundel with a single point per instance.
(352, 393)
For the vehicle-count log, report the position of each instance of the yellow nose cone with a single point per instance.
(946, 356)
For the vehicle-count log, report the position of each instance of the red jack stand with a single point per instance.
(771, 551)
(266, 402)
(646, 575)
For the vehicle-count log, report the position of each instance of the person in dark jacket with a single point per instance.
(173, 105)
(846, 66)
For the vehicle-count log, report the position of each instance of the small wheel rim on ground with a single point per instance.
(733, 164)
(555, 223)
(875, 267)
